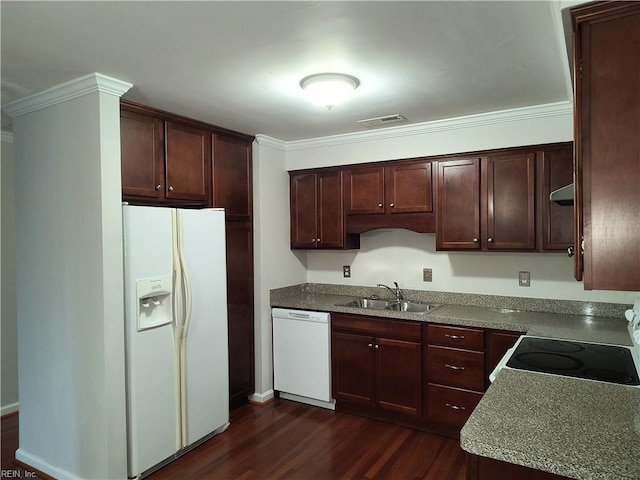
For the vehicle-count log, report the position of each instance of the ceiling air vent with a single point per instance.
(378, 121)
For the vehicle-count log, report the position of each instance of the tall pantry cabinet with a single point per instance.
(168, 160)
(607, 143)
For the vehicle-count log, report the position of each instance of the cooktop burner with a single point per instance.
(607, 363)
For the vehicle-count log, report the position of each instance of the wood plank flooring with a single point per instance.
(288, 440)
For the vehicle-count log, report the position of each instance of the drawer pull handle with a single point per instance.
(454, 337)
(455, 407)
(453, 367)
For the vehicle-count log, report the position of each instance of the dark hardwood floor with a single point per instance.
(288, 440)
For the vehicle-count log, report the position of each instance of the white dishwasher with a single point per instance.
(302, 356)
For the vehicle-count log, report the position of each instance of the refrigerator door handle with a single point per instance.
(186, 319)
(178, 322)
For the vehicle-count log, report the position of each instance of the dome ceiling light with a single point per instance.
(329, 89)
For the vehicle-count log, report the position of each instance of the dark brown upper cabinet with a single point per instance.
(395, 195)
(487, 203)
(555, 168)
(232, 178)
(607, 141)
(142, 151)
(317, 211)
(187, 163)
(163, 161)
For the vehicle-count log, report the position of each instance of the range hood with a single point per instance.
(563, 195)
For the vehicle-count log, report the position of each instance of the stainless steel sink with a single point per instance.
(366, 303)
(398, 306)
(414, 307)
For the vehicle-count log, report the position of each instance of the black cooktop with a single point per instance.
(594, 361)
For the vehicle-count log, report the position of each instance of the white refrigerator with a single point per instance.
(176, 332)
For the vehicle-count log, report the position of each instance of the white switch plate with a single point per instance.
(524, 279)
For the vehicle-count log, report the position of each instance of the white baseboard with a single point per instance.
(7, 409)
(36, 462)
(261, 398)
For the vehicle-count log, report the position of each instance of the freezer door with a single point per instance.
(150, 359)
(206, 353)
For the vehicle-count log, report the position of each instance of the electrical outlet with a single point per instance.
(427, 275)
(524, 279)
(346, 271)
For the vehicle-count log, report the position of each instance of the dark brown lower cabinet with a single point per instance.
(240, 311)
(377, 365)
(483, 468)
(426, 376)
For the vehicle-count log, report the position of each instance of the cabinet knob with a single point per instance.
(170, 188)
(490, 239)
(377, 346)
(391, 205)
(475, 240)
(158, 187)
(380, 205)
(318, 240)
(313, 240)
(370, 345)
(571, 251)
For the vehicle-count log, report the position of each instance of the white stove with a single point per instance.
(584, 360)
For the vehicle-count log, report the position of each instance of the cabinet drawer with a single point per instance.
(458, 368)
(377, 327)
(459, 337)
(450, 405)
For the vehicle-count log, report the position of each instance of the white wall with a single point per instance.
(399, 255)
(9, 373)
(69, 282)
(275, 264)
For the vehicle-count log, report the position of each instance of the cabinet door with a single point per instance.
(556, 170)
(142, 151)
(304, 210)
(364, 190)
(232, 180)
(458, 214)
(408, 188)
(330, 211)
(188, 163)
(510, 205)
(497, 345)
(352, 364)
(399, 376)
(608, 143)
(239, 237)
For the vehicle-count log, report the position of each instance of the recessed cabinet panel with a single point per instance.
(556, 170)
(458, 218)
(352, 368)
(304, 211)
(330, 211)
(365, 191)
(188, 162)
(142, 150)
(409, 188)
(510, 216)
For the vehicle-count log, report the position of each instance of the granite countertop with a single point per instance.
(562, 319)
(577, 428)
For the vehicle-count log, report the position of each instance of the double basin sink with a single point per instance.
(394, 305)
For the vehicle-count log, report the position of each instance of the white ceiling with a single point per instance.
(238, 64)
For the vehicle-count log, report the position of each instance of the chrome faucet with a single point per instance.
(397, 292)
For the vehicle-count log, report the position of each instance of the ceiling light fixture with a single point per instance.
(329, 89)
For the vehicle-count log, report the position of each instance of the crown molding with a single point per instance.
(458, 123)
(266, 141)
(94, 82)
